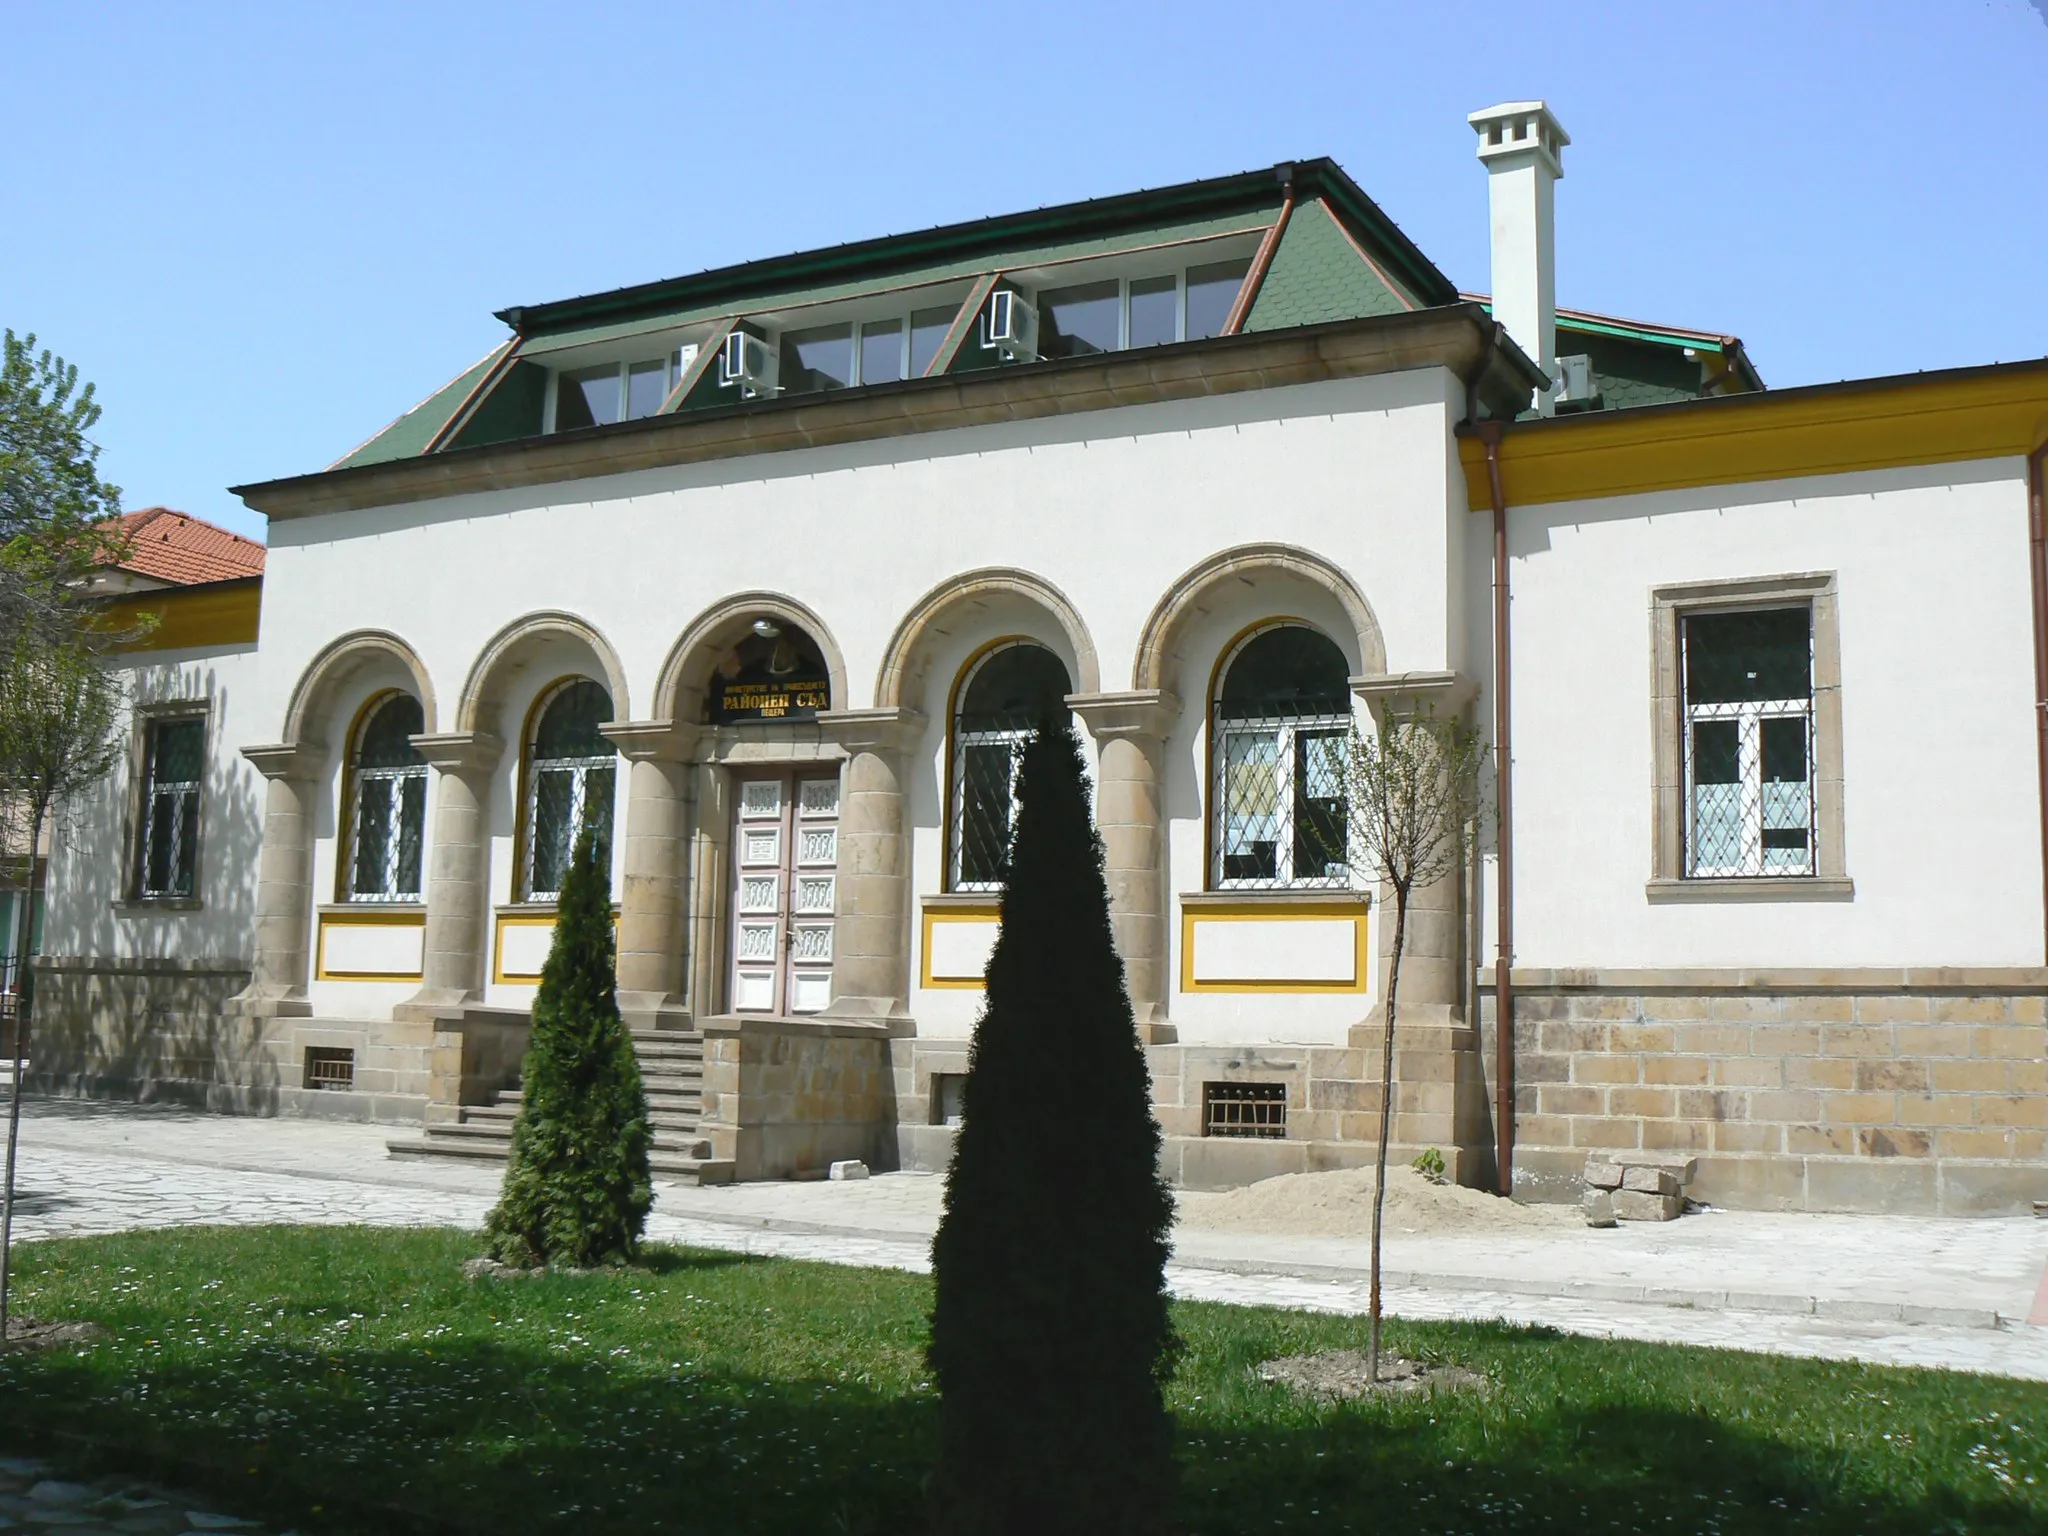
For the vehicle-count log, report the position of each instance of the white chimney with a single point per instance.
(1523, 148)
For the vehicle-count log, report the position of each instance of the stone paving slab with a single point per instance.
(1895, 1290)
(34, 1497)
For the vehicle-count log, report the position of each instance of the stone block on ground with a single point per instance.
(1650, 1181)
(1602, 1174)
(1599, 1208)
(852, 1168)
(1634, 1205)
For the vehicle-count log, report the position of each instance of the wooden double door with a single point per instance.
(785, 890)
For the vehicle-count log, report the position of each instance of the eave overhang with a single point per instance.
(1999, 411)
(1460, 339)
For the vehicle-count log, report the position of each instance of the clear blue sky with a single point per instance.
(266, 230)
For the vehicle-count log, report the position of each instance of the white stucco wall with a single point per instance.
(1942, 808)
(93, 847)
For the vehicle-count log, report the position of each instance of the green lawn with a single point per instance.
(349, 1379)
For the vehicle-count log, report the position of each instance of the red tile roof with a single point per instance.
(185, 550)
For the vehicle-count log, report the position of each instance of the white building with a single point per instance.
(766, 569)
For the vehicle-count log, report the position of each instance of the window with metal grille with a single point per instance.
(1005, 693)
(331, 1068)
(1280, 727)
(387, 822)
(174, 762)
(1749, 743)
(1245, 1109)
(571, 768)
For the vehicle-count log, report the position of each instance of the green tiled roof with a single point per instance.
(1318, 275)
(410, 434)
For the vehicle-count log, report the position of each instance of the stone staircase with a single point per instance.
(671, 1067)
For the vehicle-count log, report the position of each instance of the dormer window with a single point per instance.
(1123, 312)
(870, 352)
(612, 392)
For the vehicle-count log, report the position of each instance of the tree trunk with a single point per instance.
(1379, 1191)
(24, 998)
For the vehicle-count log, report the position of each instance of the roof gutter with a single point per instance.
(2037, 562)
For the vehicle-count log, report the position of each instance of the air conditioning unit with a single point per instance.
(1573, 380)
(1010, 325)
(748, 361)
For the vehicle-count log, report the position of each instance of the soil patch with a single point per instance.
(27, 1333)
(1339, 1375)
(1339, 1204)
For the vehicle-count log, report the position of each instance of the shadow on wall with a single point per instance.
(131, 995)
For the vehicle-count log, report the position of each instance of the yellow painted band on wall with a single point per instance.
(1252, 912)
(975, 914)
(332, 921)
(1778, 435)
(189, 618)
(507, 920)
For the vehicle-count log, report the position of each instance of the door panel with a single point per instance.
(785, 891)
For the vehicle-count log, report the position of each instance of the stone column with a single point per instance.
(1131, 728)
(871, 944)
(651, 896)
(1433, 956)
(458, 870)
(284, 881)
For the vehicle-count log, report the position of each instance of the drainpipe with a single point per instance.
(1490, 433)
(2037, 542)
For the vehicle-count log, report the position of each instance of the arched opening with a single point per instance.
(1279, 729)
(774, 671)
(1003, 694)
(571, 769)
(387, 803)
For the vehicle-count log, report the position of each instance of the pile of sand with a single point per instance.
(1339, 1204)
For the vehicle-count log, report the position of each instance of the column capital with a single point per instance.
(460, 751)
(288, 759)
(1140, 712)
(888, 731)
(653, 741)
(1405, 692)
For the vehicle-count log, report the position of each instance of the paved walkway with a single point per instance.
(33, 1497)
(1891, 1290)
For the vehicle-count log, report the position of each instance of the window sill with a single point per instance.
(1291, 896)
(1753, 888)
(961, 901)
(363, 908)
(145, 906)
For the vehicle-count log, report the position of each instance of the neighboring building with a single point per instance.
(766, 570)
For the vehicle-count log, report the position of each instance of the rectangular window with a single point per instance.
(1074, 322)
(1155, 311)
(174, 763)
(881, 352)
(928, 329)
(1212, 289)
(816, 359)
(1749, 720)
(1281, 794)
(614, 392)
(589, 397)
(1152, 311)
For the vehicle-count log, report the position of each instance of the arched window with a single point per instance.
(570, 770)
(388, 812)
(1278, 728)
(775, 672)
(1002, 697)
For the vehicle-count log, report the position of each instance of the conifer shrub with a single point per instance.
(577, 1187)
(1051, 1340)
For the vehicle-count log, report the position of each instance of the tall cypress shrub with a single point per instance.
(577, 1186)
(1050, 1334)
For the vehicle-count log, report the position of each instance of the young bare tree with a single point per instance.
(60, 715)
(1412, 795)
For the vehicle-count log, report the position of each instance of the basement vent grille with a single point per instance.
(1245, 1109)
(948, 1089)
(330, 1068)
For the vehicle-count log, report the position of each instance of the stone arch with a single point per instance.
(342, 659)
(679, 690)
(909, 649)
(1158, 660)
(483, 689)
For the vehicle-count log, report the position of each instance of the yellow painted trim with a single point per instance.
(504, 920)
(951, 914)
(1251, 912)
(1777, 435)
(366, 919)
(188, 618)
